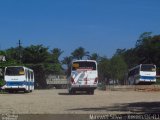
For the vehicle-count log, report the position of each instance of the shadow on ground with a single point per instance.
(73, 94)
(137, 107)
(20, 92)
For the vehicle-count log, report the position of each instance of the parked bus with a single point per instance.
(142, 74)
(18, 78)
(84, 76)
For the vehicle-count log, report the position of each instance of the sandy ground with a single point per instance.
(58, 101)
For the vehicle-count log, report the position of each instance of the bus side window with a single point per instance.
(137, 71)
(26, 74)
(29, 75)
(131, 73)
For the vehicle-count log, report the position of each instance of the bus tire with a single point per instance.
(71, 92)
(29, 89)
(26, 91)
(91, 92)
(10, 91)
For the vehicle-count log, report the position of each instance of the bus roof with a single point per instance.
(139, 66)
(83, 61)
(20, 66)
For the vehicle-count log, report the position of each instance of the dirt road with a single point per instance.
(58, 101)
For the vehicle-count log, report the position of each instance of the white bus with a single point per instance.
(84, 76)
(142, 74)
(18, 78)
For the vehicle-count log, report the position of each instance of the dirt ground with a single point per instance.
(58, 101)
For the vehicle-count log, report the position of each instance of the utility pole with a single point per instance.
(19, 49)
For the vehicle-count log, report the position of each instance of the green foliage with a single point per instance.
(45, 62)
(2, 82)
(148, 48)
(57, 68)
(40, 75)
(102, 86)
(36, 57)
(103, 70)
(112, 69)
(2, 52)
(158, 81)
(12, 54)
(118, 69)
(95, 57)
(35, 54)
(144, 37)
(67, 61)
(146, 51)
(79, 53)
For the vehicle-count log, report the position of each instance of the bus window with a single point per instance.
(148, 68)
(84, 65)
(14, 71)
(26, 75)
(32, 76)
(29, 75)
(137, 70)
(21, 72)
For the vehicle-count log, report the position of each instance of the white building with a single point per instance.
(2, 58)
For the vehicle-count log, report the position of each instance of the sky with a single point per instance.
(99, 26)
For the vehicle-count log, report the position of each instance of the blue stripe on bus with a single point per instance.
(148, 77)
(19, 83)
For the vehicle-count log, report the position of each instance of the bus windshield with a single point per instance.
(84, 65)
(149, 68)
(14, 71)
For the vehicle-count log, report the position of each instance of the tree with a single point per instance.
(2, 52)
(118, 69)
(35, 54)
(143, 38)
(54, 61)
(147, 48)
(155, 49)
(103, 70)
(12, 54)
(67, 61)
(79, 53)
(56, 53)
(95, 57)
(130, 56)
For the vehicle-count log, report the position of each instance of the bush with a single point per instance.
(158, 81)
(2, 82)
(101, 86)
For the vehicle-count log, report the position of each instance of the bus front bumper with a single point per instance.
(13, 87)
(83, 87)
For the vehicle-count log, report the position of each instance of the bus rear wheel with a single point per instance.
(91, 92)
(71, 92)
